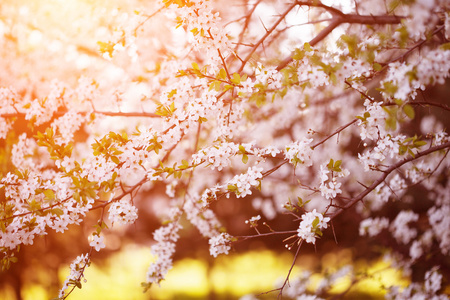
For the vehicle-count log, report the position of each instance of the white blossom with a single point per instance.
(373, 227)
(400, 229)
(219, 244)
(311, 225)
(299, 152)
(97, 242)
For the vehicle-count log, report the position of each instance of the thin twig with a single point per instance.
(268, 32)
(382, 178)
(334, 133)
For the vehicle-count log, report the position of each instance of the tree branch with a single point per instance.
(385, 175)
(350, 19)
(268, 32)
(334, 133)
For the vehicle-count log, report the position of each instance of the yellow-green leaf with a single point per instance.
(409, 111)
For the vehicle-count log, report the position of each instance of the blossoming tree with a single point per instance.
(312, 110)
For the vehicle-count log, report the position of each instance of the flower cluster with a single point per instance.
(311, 226)
(219, 244)
(329, 173)
(76, 273)
(421, 245)
(163, 250)
(299, 152)
(372, 125)
(204, 219)
(253, 221)
(66, 126)
(219, 156)
(241, 184)
(388, 146)
(42, 110)
(39, 191)
(203, 23)
(421, 14)
(439, 218)
(22, 154)
(428, 290)
(431, 67)
(299, 285)
(302, 285)
(97, 242)
(312, 74)
(373, 226)
(269, 77)
(400, 229)
(328, 282)
(122, 212)
(8, 97)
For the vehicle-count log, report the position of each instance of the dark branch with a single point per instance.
(350, 19)
(268, 32)
(385, 175)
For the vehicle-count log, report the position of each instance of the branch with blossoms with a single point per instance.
(386, 173)
(313, 223)
(221, 117)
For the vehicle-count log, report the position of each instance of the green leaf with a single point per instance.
(389, 88)
(298, 54)
(419, 144)
(377, 67)
(333, 78)
(409, 111)
(76, 196)
(172, 92)
(399, 102)
(222, 74)
(307, 47)
(259, 186)
(236, 78)
(115, 159)
(391, 123)
(315, 222)
(49, 194)
(352, 43)
(445, 46)
(245, 158)
(394, 4)
(330, 164)
(78, 284)
(232, 188)
(106, 47)
(57, 211)
(215, 85)
(404, 36)
(337, 166)
(194, 31)
(2, 226)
